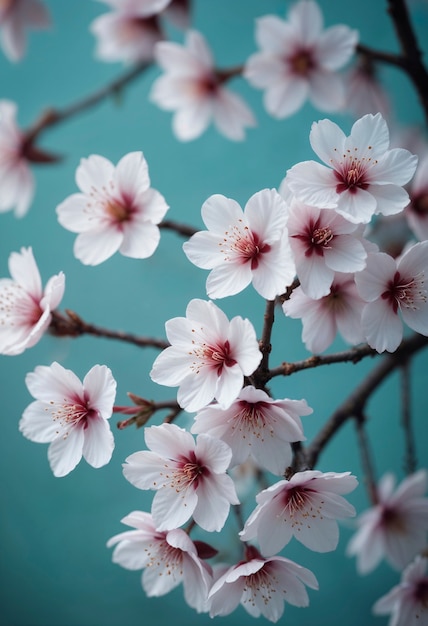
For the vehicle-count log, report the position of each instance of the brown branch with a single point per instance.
(72, 325)
(265, 344)
(356, 402)
(383, 57)
(181, 229)
(366, 458)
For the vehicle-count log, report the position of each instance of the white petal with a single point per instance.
(336, 46)
(99, 442)
(382, 327)
(37, 424)
(66, 451)
(95, 247)
(101, 389)
(94, 172)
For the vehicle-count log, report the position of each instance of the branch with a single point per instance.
(366, 458)
(71, 325)
(406, 419)
(181, 229)
(356, 402)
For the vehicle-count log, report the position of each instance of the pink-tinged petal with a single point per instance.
(176, 59)
(95, 247)
(357, 207)
(37, 424)
(156, 583)
(322, 536)
(72, 213)
(272, 33)
(215, 495)
(276, 271)
(347, 255)
(199, 49)
(24, 271)
(140, 239)
(171, 92)
(151, 205)
(202, 250)
(417, 319)
(315, 277)
(132, 174)
(100, 387)
(327, 91)
(196, 583)
(415, 260)
(53, 292)
(169, 441)
(396, 167)
(225, 596)
(171, 509)
(413, 486)
(53, 383)
(335, 47)
(190, 122)
(131, 553)
(219, 212)
(214, 453)
(327, 141)
(36, 14)
(94, 172)
(13, 37)
(286, 97)
(66, 451)
(306, 19)
(382, 327)
(373, 280)
(209, 316)
(145, 469)
(266, 214)
(231, 115)
(264, 71)
(273, 453)
(313, 184)
(387, 603)
(99, 442)
(244, 345)
(402, 548)
(367, 544)
(319, 329)
(370, 134)
(228, 279)
(390, 199)
(24, 190)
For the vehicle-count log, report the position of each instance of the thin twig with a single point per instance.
(406, 419)
(181, 229)
(366, 458)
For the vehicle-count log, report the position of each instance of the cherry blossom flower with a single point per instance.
(189, 478)
(417, 210)
(323, 243)
(407, 602)
(299, 60)
(16, 178)
(70, 415)
(257, 426)
(392, 286)
(396, 527)
(306, 507)
(193, 88)
(241, 247)
(261, 586)
(361, 177)
(364, 92)
(127, 37)
(116, 209)
(339, 311)
(208, 357)
(25, 307)
(167, 558)
(15, 17)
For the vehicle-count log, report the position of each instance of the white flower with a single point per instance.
(16, 178)
(392, 286)
(208, 357)
(168, 559)
(306, 507)
(396, 527)
(261, 586)
(193, 88)
(116, 209)
(339, 311)
(323, 243)
(257, 426)
(15, 17)
(70, 415)
(361, 177)
(189, 478)
(25, 307)
(299, 60)
(241, 247)
(407, 602)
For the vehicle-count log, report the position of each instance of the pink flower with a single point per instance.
(417, 210)
(298, 60)
(193, 88)
(16, 178)
(261, 586)
(168, 559)
(257, 426)
(189, 478)
(361, 176)
(208, 357)
(124, 36)
(396, 527)
(407, 602)
(306, 507)
(25, 307)
(390, 287)
(339, 311)
(241, 247)
(323, 242)
(15, 17)
(116, 209)
(70, 415)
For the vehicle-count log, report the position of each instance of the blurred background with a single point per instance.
(55, 569)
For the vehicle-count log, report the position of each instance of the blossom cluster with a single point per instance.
(307, 247)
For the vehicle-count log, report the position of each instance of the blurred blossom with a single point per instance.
(71, 415)
(299, 60)
(25, 307)
(193, 88)
(364, 92)
(116, 210)
(15, 17)
(417, 211)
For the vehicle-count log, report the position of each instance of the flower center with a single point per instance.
(406, 293)
(219, 356)
(69, 414)
(119, 211)
(316, 238)
(351, 174)
(17, 307)
(392, 520)
(420, 205)
(251, 418)
(421, 592)
(243, 246)
(302, 63)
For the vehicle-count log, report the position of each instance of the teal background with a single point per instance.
(55, 569)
